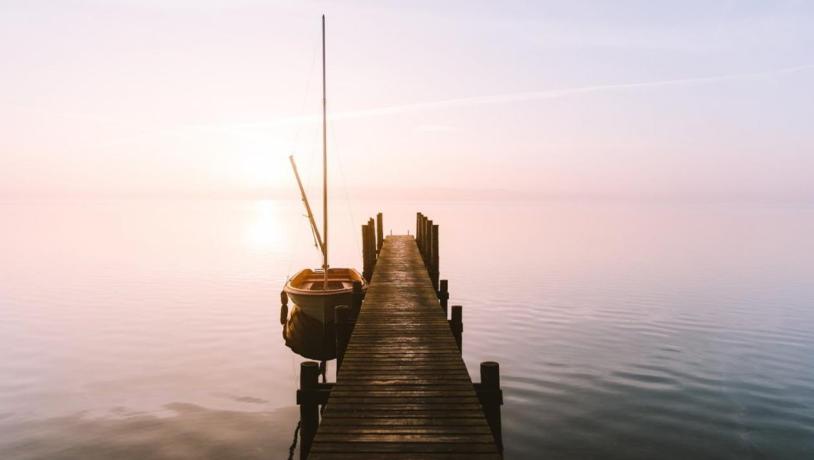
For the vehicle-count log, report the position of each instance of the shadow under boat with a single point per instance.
(308, 336)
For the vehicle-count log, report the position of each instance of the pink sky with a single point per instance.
(706, 99)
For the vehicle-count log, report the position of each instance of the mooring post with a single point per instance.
(443, 295)
(457, 325)
(365, 254)
(427, 240)
(428, 244)
(344, 327)
(434, 272)
(419, 232)
(418, 218)
(368, 249)
(491, 398)
(372, 243)
(424, 239)
(379, 232)
(418, 229)
(423, 235)
(371, 248)
(356, 300)
(309, 408)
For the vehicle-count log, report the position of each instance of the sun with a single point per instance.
(265, 230)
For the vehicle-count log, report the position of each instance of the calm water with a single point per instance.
(146, 329)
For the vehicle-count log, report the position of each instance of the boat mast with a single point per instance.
(324, 166)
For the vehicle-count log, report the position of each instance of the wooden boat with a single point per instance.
(306, 289)
(318, 291)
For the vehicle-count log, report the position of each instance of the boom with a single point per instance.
(307, 206)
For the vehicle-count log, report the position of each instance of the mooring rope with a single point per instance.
(294, 442)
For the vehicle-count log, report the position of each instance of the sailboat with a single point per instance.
(317, 291)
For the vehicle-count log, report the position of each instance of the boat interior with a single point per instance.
(313, 280)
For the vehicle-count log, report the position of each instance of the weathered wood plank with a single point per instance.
(406, 447)
(405, 456)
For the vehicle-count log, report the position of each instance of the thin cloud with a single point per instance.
(533, 95)
(484, 100)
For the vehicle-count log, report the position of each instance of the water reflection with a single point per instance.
(622, 331)
(187, 431)
(308, 336)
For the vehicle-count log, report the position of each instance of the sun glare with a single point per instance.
(265, 231)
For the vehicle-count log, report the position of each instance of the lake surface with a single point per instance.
(150, 329)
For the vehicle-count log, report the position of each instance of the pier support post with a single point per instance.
(356, 300)
(434, 269)
(491, 398)
(443, 295)
(418, 230)
(344, 327)
(457, 325)
(379, 232)
(309, 407)
(424, 237)
(364, 250)
(371, 243)
(428, 245)
(367, 257)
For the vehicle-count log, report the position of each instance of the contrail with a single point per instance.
(485, 100)
(532, 95)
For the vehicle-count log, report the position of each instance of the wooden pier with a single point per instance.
(402, 388)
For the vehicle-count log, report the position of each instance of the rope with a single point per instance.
(294, 442)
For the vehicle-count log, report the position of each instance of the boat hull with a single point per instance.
(305, 289)
(321, 307)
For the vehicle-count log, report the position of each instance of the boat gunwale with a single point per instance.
(291, 289)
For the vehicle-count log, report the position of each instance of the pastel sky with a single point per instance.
(630, 98)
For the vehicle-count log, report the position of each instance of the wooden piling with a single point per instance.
(424, 240)
(418, 217)
(342, 322)
(309, 408)
(434, 260)
(365, 255)
(368, 251)
(443, 295)
(457, 325)
(379, 232)
(491, 398)
(371, 243)
(428, 245)
(356, 300)
(421, 247)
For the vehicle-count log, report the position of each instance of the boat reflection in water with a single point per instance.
(308, 336)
